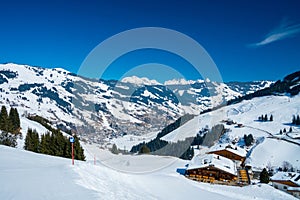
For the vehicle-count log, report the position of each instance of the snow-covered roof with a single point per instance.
(294, 189)
(287, 176)
(220, 162)
(231, 148)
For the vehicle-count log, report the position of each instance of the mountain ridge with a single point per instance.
(100, 109)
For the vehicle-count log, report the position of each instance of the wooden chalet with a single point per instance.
(212, 168)
(288, 182)
(230, 151)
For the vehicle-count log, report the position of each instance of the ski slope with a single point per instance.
(27, 175)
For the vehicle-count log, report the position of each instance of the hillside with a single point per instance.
(266, 134)
(26, 175)
(101, 109)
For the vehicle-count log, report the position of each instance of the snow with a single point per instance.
(182, 81)
(190, 129)
(25, 125)
(220, 162)
(275, 152)
(128, 141)
(247, 112)
(27, 175)
(140, 81)
(229, 147)
(286, 176)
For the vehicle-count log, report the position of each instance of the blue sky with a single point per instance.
(248, 40)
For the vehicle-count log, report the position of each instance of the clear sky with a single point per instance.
(248, 40)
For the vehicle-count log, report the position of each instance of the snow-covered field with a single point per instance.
(27, 175)
(126, 142)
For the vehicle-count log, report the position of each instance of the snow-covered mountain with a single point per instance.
(100, 109)
(139, 81)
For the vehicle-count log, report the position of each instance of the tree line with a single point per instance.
(54, 144)
(264, 118)
(9, 126)
(10, 122)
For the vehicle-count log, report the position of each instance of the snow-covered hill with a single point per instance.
(27, 175)
(101, 109)
(271, 148)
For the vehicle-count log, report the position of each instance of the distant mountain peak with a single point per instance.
(140, 81)
(183, 81)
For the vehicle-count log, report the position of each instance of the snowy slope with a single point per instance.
(26, 175)
(247, 112)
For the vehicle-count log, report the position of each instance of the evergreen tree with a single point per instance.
(32, 141)
(45, 146)
(114, 149)
(188, 154)
(266, 118)
(284, 130)
(79, 152)
(291, 130)
(144, 149)
(248, 139)
(264, 176)
(262, 118)
(298, 120)
(280, 132)
(4, 119)
(271, 118)
(294, 119)
(14, 120)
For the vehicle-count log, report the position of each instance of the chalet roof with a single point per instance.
(287, 176)
(293, 189)
(220, 162)
(231, 148)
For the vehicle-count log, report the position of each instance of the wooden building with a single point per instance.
(229, 151)
(212, 168)
(288, 182)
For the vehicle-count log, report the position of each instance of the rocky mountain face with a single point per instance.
(100, 109)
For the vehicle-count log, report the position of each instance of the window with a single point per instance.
(284, 187)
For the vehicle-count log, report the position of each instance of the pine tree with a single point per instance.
(294, 119)
(3, 119)
(79, 152)
(144, 149)
(266, 118)
(271, 118)
(114, 149)
(298, 120)
(14, 120)
(291, 130)
(32, 142)
(280, 132)
(264, 176)
(284, 130)
(248, 139)
(45, 147)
